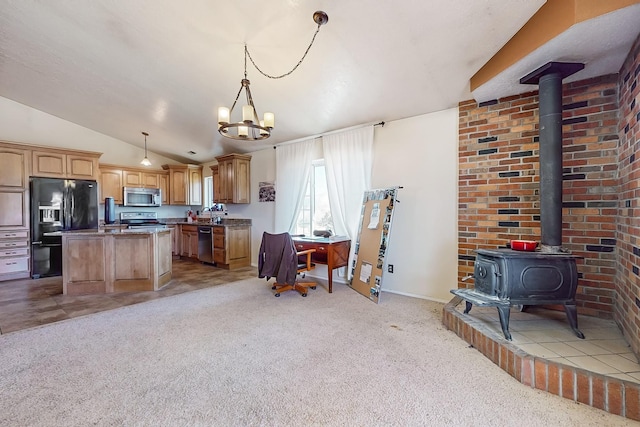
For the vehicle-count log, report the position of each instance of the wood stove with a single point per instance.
(504, 277)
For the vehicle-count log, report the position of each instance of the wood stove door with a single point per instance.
(486, 274)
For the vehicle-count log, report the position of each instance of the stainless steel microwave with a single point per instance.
(142, 197)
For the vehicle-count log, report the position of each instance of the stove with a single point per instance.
(505, 278)
(140, 220)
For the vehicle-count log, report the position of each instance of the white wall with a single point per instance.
(421, 155)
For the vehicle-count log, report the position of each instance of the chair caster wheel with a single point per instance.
(277, 295)
(304, 295)
(312, 287)
(273, 287)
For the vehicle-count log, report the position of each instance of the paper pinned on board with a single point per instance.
(374, 218)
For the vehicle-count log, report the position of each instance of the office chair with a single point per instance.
(278, 258)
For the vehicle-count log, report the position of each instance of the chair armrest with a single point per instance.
(308, 253)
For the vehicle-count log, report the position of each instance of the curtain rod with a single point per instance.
(319, 135)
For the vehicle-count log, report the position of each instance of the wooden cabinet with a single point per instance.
(234, 176)
(185, 184)
(65, 164)
(14, 254)
(175, 239)
(111, 184)
(189, 241)
(14, 213)
(164, 187)
(114, 178)
(215, 176)
(232, 246)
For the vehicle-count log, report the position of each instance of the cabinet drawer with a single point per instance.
(18, 234)
(218, 241)
(14, 252)
(10, 244)
(218, 256)
(218, 230)
(190, 228)
(14, 265)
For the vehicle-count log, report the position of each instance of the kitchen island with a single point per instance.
(109, 261)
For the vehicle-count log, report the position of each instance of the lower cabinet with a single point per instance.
(232, 246)
(14, 254)
(189, 241)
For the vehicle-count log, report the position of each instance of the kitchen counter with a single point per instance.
(109, 231)
(224, 222)
(115, 260)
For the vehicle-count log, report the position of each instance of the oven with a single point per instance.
(141, 220)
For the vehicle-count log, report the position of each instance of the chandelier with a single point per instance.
(251, 128)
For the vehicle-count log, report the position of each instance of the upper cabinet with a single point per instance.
(114, 178)
(185, 184)
(14, 186)
(111, 183)
(65, 164)
(234, 179)
(14, 164)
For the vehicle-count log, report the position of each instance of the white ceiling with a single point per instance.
(121, 67)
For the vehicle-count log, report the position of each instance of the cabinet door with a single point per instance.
(111, 184)
(195, 187)
(215, 176)
(131, 179)
(49, 164)
(14, 167)
(163, 181)
(225, 169)
(13, 209)
(239, 243)
(193, 242)
(179, 180)
(150, 180)
(185, 237)
(241, 184)
(81, 167)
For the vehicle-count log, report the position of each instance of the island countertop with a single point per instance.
(89, 232)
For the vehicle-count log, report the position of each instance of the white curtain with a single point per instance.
(348, 160)
(293, 165)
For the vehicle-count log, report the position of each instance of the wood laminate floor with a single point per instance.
(27, 303)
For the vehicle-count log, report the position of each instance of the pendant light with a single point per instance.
(145, 161)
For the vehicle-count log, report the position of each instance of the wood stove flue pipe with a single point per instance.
(549, 78)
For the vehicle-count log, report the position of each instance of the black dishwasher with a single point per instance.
(205, 244)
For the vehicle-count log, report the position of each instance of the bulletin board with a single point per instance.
(367, 265)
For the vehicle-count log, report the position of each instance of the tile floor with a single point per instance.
(28, 303)
(546, 333)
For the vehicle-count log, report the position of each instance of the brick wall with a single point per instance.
(498, 182)
(627, 307)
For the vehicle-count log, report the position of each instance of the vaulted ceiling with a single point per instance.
(164, 66)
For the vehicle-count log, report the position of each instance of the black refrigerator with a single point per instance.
(57, 205)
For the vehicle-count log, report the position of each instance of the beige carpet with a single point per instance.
(233, 355)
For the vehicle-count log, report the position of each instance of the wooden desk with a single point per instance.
(332, 252)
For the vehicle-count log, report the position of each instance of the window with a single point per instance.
(315, 213)
(208, 191)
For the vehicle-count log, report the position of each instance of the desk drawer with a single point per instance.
(321, 249)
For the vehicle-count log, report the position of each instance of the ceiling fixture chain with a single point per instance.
(320, 18)
(251, 128)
